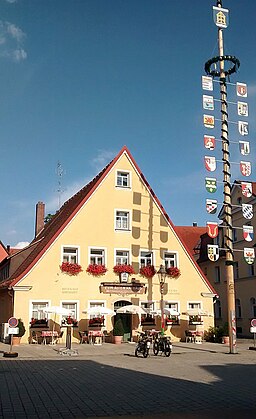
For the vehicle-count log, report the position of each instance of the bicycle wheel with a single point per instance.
(167, 350)
(155, 348)
(145, 353)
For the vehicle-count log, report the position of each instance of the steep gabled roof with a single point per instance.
(66, 213)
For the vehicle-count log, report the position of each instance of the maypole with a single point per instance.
(216, 68)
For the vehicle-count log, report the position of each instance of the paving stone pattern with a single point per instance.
(109, 381)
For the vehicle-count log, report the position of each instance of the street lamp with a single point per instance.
(161, 276)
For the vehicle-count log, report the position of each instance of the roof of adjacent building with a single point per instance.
(191, 235)
(23, 261)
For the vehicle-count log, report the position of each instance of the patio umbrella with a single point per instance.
(167, 312)
(197, 312)
(99, 311)
(131, 309)
(57, 310)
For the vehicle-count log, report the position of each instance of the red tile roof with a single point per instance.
(190, 235)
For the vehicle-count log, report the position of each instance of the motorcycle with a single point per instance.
(143, 345)
(162, 344)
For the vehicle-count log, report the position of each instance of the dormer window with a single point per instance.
(123, 179)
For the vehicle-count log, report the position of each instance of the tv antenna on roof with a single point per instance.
(60, 172)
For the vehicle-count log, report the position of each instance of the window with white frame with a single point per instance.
(38, 312)
(70, 254)
(122, 220)
(194, 318)
(170, 260)
(123, 179)
(148, 306)
(72, 307)
(97, 256)
(146, 258)
(174, 307)
(122, 257)
(96, 318)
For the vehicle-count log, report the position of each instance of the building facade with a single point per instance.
(77, 260)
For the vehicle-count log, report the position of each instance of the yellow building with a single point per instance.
(244, 273)
(113, 221)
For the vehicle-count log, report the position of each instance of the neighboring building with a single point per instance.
(3, 252)
(114, 220)
(191, 236)
(244, 274)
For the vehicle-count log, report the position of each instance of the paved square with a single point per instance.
(202, 381)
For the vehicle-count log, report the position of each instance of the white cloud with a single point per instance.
(11, 42)
(19, 55)
(11, 1)
(15, 32)
(102, 159)
(21, 245)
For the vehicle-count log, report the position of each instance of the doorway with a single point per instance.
(126, 319)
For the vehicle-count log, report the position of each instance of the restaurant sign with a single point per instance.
(122, 289)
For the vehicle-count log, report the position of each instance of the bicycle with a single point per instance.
(162, 344)
(143, 345)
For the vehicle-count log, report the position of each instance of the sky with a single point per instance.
(79, 79)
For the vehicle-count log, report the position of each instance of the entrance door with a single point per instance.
(126, 319)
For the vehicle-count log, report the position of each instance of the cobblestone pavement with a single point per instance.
(197, 381)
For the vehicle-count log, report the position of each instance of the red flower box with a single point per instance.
(70, 268)
(96, 269)
(173, 272)
(96, 321)
(148, 271)
(119, 269)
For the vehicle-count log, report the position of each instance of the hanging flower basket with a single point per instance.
(148, 271)
(71, 268)
(96, 270)
(173, 272)
(96, 321)
(69, 321)
(120, 269)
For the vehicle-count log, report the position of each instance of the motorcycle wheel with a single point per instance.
(137, 350)
(155, 349)
(145, 353)
(167, 350)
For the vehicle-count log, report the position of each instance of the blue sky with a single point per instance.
(81, 78)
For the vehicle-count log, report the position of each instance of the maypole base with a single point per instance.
(10, 354)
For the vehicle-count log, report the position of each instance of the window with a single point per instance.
(123, 179)
(72, 307)
(122, 220)
(194, 318)
(253, 307)
(217, 310)
(234, 235)
(97, 318)
(70, 254)
(251, 270)
(217, 274)
(38, 312)
(174, 318)
(97, 256)
(236, 270)
(170, 260)
(148, 318)
(146, 258)
(238, 309)
(122, 257)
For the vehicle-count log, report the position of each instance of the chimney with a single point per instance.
(194, 224)
(40, 209)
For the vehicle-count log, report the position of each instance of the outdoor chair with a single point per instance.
(83, 337)
(35, 337)
(60, 335)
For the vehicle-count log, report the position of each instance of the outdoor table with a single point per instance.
(95, 337)
(67, 350)
(49, 334)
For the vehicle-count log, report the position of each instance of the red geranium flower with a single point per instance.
(173, 272)
(148, 271)
(119, 269)
(70, 268)
(96, 269)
